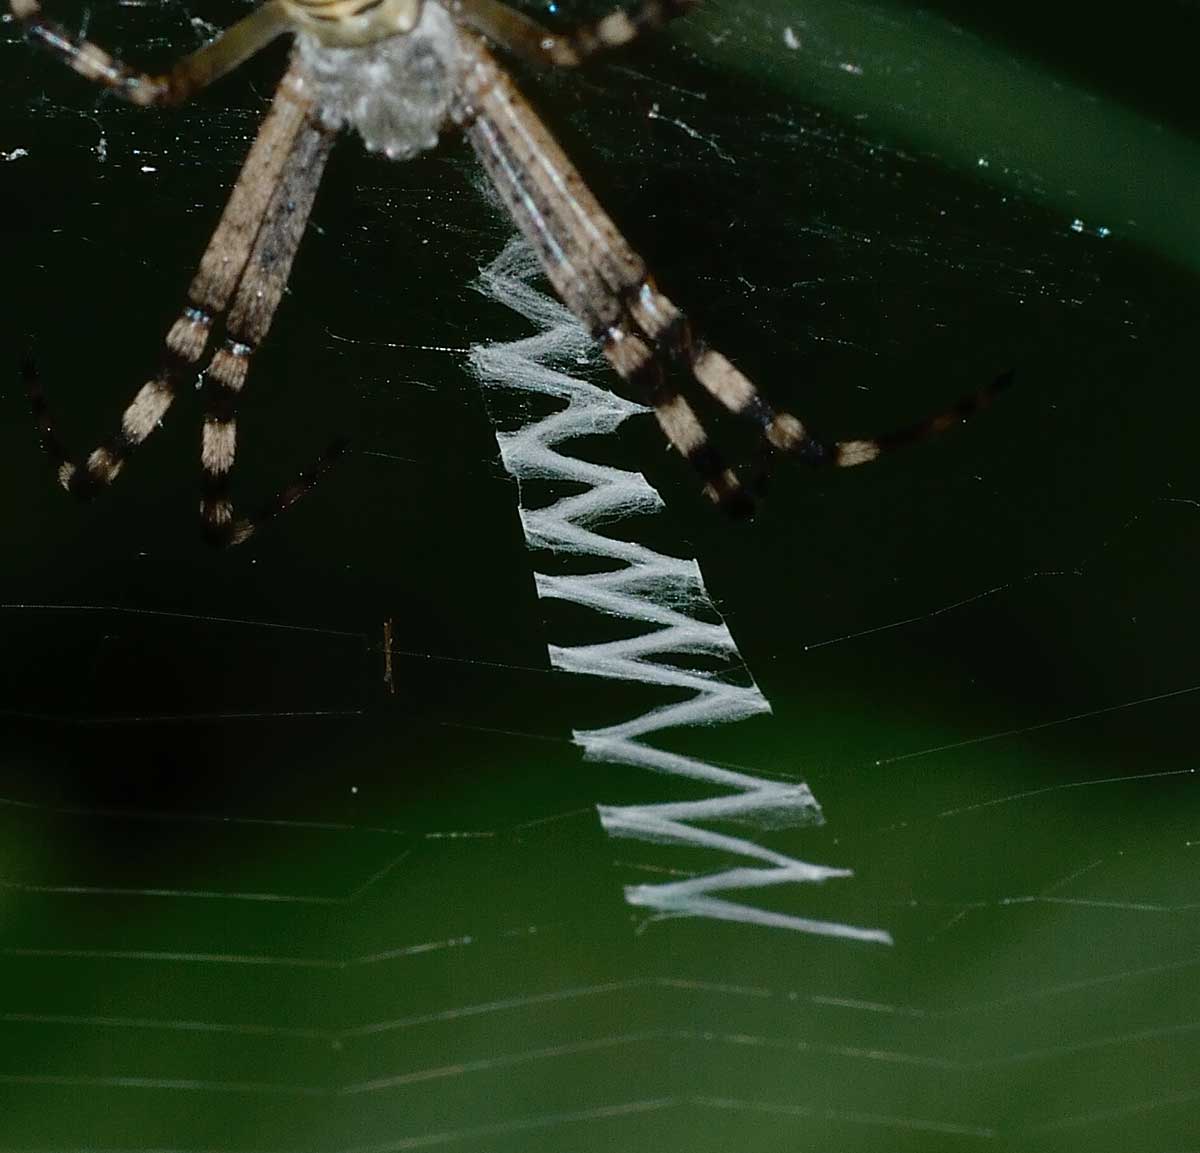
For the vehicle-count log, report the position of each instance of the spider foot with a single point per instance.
(222, 529)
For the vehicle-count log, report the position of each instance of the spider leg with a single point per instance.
(847, 453)
(588, 262)
(211, 289)
(254, 304)
(607, 285)
(672, 333)
(194, 72)
(525, 37)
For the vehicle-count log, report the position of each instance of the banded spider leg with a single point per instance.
(241, 278)
(607, 285)
(188, 76)
(506, 26)
(599, 276)
(525, 37)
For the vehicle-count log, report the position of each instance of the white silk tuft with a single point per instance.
(686, 645)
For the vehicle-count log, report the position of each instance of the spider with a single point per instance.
(400, 72)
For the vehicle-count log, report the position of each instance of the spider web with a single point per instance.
(252, 900)
(664, 594)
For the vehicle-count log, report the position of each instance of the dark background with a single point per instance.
(251, 901)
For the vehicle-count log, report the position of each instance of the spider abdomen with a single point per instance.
(396, 92)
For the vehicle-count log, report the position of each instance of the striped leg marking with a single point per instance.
(534, 42)
(586, 259)
(615, 30)
(185, 79)
(254, 305)
(672, 336)
(247, 262)
(185, 345)
(606, 284)
(213, 286)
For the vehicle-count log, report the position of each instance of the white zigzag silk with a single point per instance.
(663, 592)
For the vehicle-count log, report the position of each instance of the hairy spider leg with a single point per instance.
(643, 333)
(216, 280)
(675, 338)
(539, 45)
(247, 261)
(591, 265)
(507, 26)
(258, 295)
(187, 77)
(581, 251)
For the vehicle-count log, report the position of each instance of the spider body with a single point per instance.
(395, 89)
(400, 73)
